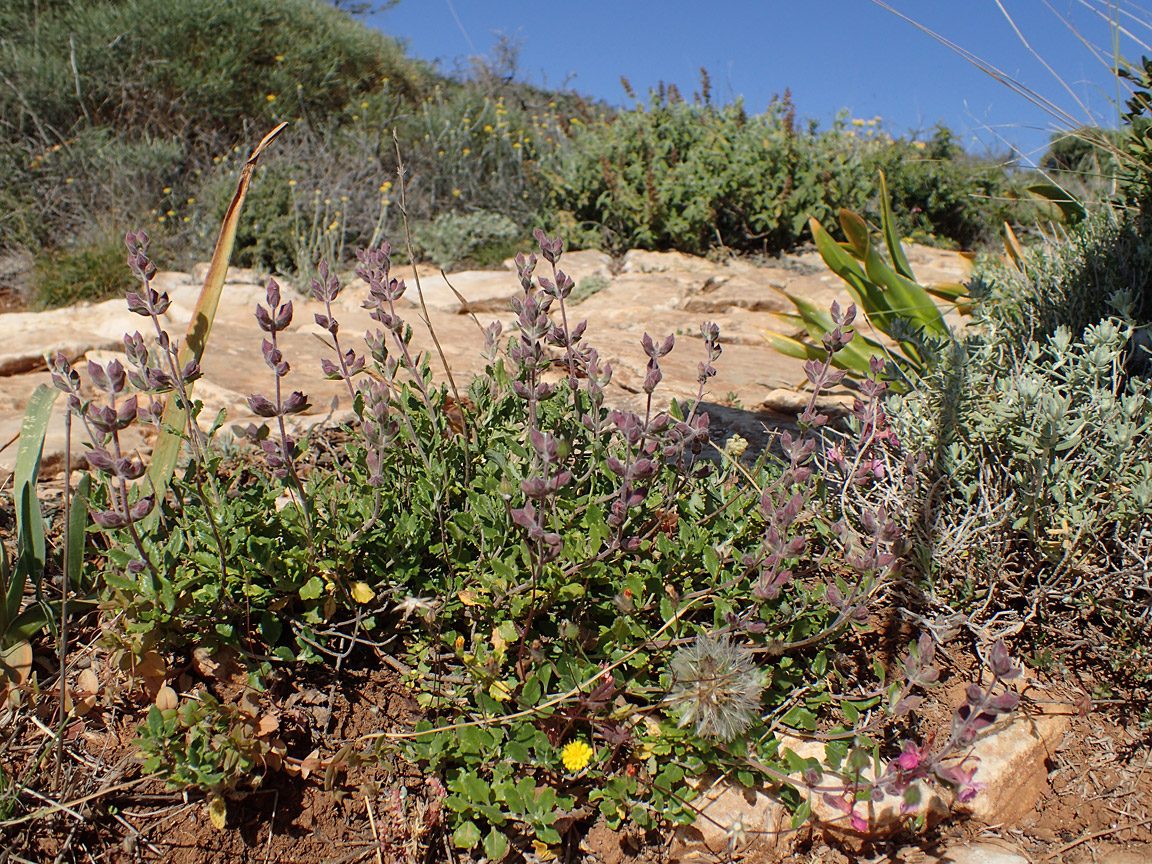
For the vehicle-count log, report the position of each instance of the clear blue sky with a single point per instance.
(833, 54)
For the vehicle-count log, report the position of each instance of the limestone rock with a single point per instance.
(1012, 767)
(984, 852)
(793, 402)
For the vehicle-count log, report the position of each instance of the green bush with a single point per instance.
(484, 239)
(672, 174)
(1039, 427)
(91, 272)
(208, 71)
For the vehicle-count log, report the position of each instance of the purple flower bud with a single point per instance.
(143, 507)
(261, 406)
(100, 459)
(296, 403)
(284, 316)
(1000, 663)
(108, 519)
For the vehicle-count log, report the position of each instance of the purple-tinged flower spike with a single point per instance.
(138, 261)
(550, 249)
(276, 317)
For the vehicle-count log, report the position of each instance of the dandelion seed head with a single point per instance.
(716, 687)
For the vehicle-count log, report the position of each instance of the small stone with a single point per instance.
(981, 853)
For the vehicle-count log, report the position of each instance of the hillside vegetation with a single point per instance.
(136, 113)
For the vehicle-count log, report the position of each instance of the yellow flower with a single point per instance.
(361, 593)
(271, 97)
(467, 150)
(487, 127)
(576, 755)
(167, 189)
(455, 193)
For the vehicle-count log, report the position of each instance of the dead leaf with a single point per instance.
(311, 762)
(16, 663)
(248, 704)
(166, 699)
(218, 812)
(268, 724)
(88, 682)
(150, 665)
(85, 705)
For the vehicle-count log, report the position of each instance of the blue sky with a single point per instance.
(833, 54)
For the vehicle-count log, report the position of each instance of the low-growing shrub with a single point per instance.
(484, 239)
(90, 272)
(1038, 424)
(596, 607)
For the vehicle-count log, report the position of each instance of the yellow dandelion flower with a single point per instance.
(271, 97)
(576, 755)
(344, 198)
(279, 58)
(167, 189)
(516, 145)
(455, 193)
(69, 179)
(187, 218)
(355, 116)
(467, 150)
(466, 120)
(856, 121)
(384, 202)
(363, 104)
(190, 201)
(291, 182)
(487, 127)
(171, 213)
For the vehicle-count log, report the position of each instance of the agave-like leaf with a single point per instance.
(32, 551)
(77, 528)
(905, 298)
(891, 236)
(1061, 206)
(175, 418)
(1012, 248)
(856, 230)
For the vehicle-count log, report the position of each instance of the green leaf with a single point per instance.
(1064, 207)
(77, 526)
(801, 815)
(32, 550)
(155, 724)
(466, 836)
(312, 589)
(495, 845)
(891, 236)
(851, 714)
(856, 230)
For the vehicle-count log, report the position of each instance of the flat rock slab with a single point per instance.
(659, 293)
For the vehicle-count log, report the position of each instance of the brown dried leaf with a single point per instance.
(249, 704)
(268, 724)
(166, 699)
(312, 762)
(88, 682)
(16, 663)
